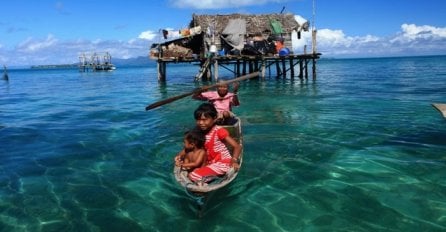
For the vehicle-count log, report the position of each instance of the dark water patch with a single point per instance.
(25, 168)
(107, 220)
(42, 208)
(95, 197)
(53, 161)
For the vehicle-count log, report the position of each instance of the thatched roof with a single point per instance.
(254, 23)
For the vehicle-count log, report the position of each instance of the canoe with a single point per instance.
(440, 107)
(235, 131)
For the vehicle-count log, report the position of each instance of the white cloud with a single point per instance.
(54, 51)
(218, 4)
(412, 40)
(147, 35)
(32, 45)
(412, 32)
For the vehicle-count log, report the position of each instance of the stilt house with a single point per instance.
(230, 39)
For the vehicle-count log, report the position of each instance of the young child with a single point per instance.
(223, 101)
(193, 153)
(218, 159)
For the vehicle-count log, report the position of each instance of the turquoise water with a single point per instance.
(359, 149)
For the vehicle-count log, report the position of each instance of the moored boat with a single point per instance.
(182, 178)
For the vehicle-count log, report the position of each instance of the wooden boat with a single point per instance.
(440, 107)
(235, 131)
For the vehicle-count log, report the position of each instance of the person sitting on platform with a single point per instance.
(223, 101)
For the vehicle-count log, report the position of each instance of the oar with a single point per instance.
(204, 88)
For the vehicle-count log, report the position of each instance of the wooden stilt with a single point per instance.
(241, 65)
(314, 69)
(283, 68)
(269, 69)
(161, 65)
(306, 69)
(301, 75)
(263, 69)
(278, 71)
(292, 68)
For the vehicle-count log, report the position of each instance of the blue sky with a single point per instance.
(55, 32)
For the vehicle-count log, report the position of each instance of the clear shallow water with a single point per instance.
(359, 149)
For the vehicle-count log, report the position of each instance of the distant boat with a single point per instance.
(96, 62)
(104, 67)
(5, 73)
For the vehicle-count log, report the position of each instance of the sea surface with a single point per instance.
(358, 149)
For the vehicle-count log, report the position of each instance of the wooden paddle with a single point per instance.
(199, 90)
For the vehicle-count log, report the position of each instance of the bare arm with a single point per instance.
(235, 101)
(197, 96)
(237, 149)
(179, 157)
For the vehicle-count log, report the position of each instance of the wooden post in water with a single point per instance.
(301, 75)
(306, 68)
(283, 67)
(292, 68)
(278, 71)
(161, 65)
(314, 68)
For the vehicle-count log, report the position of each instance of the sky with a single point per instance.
(56, 32)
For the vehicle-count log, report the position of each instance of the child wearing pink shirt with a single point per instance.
(223, 101)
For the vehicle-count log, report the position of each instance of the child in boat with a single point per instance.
(193, 153)
(223, 101)
(218, 158)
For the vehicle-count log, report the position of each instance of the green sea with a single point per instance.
(358, 149)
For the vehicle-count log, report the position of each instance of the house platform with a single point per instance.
(290, 66)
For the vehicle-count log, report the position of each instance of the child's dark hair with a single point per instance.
(196, 137)
(207, 110)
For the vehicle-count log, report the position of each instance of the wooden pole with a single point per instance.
(292, 68)
(172, 99)
(283, 67)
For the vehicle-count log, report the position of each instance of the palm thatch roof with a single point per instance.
(255, 24)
